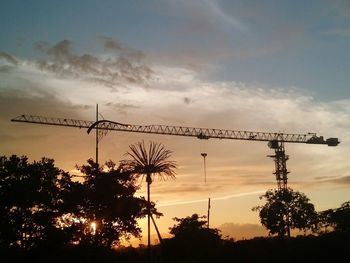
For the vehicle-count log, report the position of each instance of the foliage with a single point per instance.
(191, 234)
(325, 222)
(187, 225)
(43, 212)
(193, 227)
(108, 201)
(30, 196)
(285, 210)
(41, 205)
(336, 219)
(341, 218)
(151, 161)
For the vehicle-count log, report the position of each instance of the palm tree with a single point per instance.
(150, 162)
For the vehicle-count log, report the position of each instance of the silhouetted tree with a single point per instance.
(341, 218)
(285, 210)
(30, 201)
(192, 238)
(108, 202)
(337, 219)
(325, 222)
(150, 162)
(191, 227)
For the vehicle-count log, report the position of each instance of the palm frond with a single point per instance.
(152, 160)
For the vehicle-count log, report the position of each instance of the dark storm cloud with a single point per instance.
(120, 67)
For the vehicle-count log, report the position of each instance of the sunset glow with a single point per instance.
(209, 64)
(93, 228)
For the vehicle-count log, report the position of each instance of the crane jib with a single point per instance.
(200, 133)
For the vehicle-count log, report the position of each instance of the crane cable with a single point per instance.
(204, 155)
(205, 170)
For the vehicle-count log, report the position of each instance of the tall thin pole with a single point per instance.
(97, 135)
(208, 212)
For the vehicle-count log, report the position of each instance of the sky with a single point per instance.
(273, 66)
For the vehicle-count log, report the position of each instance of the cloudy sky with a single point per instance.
(274, 66)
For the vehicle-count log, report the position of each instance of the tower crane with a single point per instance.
(276, 140)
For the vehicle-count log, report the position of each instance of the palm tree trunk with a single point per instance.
(149, 181)
(148, 215)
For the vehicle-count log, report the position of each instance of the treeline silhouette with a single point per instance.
(48, 215)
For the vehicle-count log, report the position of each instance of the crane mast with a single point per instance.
(275, 140)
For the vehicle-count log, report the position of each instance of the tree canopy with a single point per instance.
(108, 202)
(286, 209)
(44, 210)
(191, 234)
(41, 204)
(30, 195)
(336, 219)
(150, 161)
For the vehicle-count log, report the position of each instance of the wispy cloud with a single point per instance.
(5, 57)
(121, 108)
(219, 13)
(226, 197)
(340, 180)
(121, 50)
(177, 96)
(341, 32)
(123, 66)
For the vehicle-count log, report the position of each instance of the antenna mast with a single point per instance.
(208, 212)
